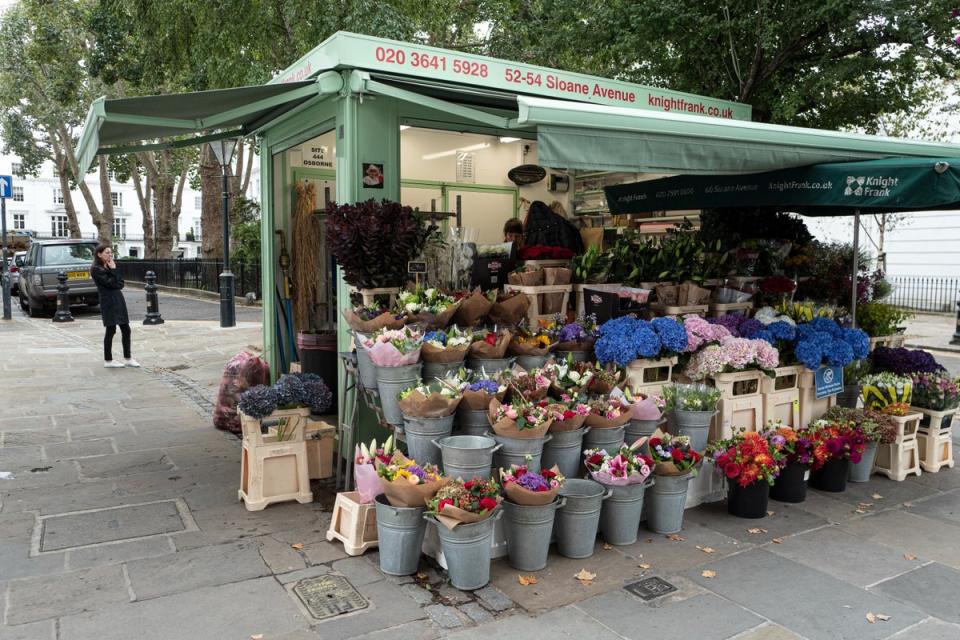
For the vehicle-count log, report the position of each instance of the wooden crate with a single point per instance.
(810, 408)
(272, 470)
(353, 523)
(720, 309)
(369, 295)
(892, 341)
(534, 316)
(669, 310)
(319, 437)
(741, 403)
(781, 396)
(902, 457)
(935, 438)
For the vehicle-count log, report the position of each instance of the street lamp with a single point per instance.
(224, 149)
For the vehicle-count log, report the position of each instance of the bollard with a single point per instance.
(956, 334)
(153, 301)
(63, 299)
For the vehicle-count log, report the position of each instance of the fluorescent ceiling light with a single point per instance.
(452, 152)
(404, 127)
(508, 140)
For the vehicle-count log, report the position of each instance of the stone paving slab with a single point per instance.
(893, 492)
(92, 527)
(82, 449)
(769, 631)
(51, 597)
(946, 507)
(118, 552)
(388, 606)
(933, 588)
(672, 555)
(124, 464)
(910, 533)
(787, 519)
(930, 630)
(43, 630)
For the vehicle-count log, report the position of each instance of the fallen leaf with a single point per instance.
(676, 537)
(756, 530)
(883, 616)
(777, 541)
(908, 504)
(877, 496)
(909, 556)
(707, 573)
(527, 580)
(256, 636)
(649, 540)
(644, 565)
(607, 547)
(706, 549)
(297, 546)
(864, 505)
(585, 577)
(420, 575)
(770, 513)
(860, 511)
(870, 617)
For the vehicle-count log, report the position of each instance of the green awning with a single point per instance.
(236, 111)
(573, 135)
(840, 188)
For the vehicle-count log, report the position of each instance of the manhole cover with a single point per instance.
(650, 588)
(328, 596)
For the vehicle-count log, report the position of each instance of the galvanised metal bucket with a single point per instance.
(606, 439)
(399, 536)
(433, 370)
(420, 434)
(466, 548)
(578, 356)
(467, 457)
(490, 366)
(636, 429)
(529, 528)
(577, 521)
(565, 451)
(861, 471)
(666, 502)
(695, 424)
(849, 396)
(366, 370)
(472, 423)
(620, 515)
(390, 382)
(516, 450)
(532, 362)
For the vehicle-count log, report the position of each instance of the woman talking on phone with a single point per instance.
(113, 308)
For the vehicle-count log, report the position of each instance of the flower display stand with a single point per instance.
(369, 295)
(935, 438)
(274, 470)
(781, 396)
(353, 523)
(720, 309)
(648, 376)
(741, 403)
(902, 457)
(892, 341)
(319, 436)
(534, 316)
(672, 310)
(578, 290)
(810, 408)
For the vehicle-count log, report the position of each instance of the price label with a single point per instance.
(416, 266)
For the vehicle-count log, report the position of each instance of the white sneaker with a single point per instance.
(130, 362)
(112, 364)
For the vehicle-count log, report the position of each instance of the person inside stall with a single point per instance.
(513, 232)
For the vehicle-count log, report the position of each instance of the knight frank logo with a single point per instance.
(870, 186)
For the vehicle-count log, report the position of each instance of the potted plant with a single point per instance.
(934, 392)
(838, 443)
(675, 463)
(877, 428)
(626, 472)
(881, 389)
(853, 375)
(880, 321)
(530, 507)
(797, 449)
(903, 362)
(751, 465)
(648, 350)
(691, 408)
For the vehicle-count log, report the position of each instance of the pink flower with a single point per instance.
(512, 413)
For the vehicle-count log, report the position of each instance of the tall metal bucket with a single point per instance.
(608, 439)
(472, 423)
(516, 450)
(620, 515)
(433, 370)
(399, 537)
(695, 424)
(532, 362)
(390, 382)
(467, 457)
(366, 370)
(466, 548)
(565, 451)
(577, 521)
(666, 503)
(420, 434)
(491, 366)
(636, 429)
(529, 528)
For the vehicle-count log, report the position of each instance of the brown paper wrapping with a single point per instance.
(552, 302)
(452, 516)
(507, 428)
(670, 469)
(534, 396)
(526, 278)
(518, 495)
(473, 309)
(691, 294)
(430, 353)
(480, 349)
(435, 321)
(595, 421)
(385, 320)
(573, 345)
(667, 294)
(510, 310)
(572, 424)
(527, 349)
(479, 400)
(436, 405)
(401, 493)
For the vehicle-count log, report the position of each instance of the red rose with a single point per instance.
(677, 455)
(569, 415)
(443, 503)
(547, 473)
(647, 460)
(469, 484)
(521, 471)
(731, 469)
(488, 504)
(654, 442)
(491, 339)
(595, 459)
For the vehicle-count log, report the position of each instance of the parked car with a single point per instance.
(14, 264)
(38, 276)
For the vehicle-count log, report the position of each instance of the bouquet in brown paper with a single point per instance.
(690, 294)
(526, 276)
(408, 484)
(608, 413)
(428, 308)
(446, 346)
(434, 400)
(569, 413)
(510, 308)
(579, 335)
(551, 302)
(531, 386)
(459, 502)
(529, 488)
(569, 377)
(519, 419)
(368, 320)
(528, 342)
(480, 390)
(490, 345)
(474, 307)
(672, 455)
(605, 379)
(668, 294)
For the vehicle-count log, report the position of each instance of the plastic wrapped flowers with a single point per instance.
(394, 347)
(365, 460)
(527, 487)
(460, 502)
(406, 483)
(624, 467)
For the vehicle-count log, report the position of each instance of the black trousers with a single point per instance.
(108, 341)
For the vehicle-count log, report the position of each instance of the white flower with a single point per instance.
(412, 307)
(430, 293)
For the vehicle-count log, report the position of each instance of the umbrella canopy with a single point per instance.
(836, 188)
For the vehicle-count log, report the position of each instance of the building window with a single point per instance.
(120, 228)
(198, 202)
(58, 196)
(56, 171)
(111, 175)
(134, 252)
(18, 194)
(196, 228)
(17, 169)
(60, 228)
(19, 221)
(116, 198)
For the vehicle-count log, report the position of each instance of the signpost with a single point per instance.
(6, 191)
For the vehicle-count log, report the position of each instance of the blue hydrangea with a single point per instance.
(646, 344)
(826, 325)
(763, 334)
(616, 341)
(672, 334)
(858, 341)
(290, 390)
(810, 353)
(781, 330)
(840, 353)
(436, 336)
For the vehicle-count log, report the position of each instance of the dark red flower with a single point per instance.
(731, 469)
(491, 339)
(443, 503)
(677, 455)
(654, 442)
(468, 485)
(547, 473)
(595, 459)
(488, 504)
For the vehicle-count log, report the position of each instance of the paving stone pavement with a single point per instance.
(123, 522)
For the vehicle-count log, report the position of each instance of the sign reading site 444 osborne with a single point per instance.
(366, 52)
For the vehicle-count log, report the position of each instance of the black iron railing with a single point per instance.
(923, 293)
(194, 274)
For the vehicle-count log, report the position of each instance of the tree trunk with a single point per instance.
(71, 212)
(211, 210)
(143, 194)
(104, 221)
(166, 218)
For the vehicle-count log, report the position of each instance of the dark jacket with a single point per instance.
(553, 230)
(113, 308)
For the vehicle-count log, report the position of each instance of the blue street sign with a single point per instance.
(829, 381)
(6, 186)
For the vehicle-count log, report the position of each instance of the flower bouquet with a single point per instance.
(530, 488)
(460, 502)
(746, 458)
(531, 386)
(796, 446)
(569, 377)
(394, 347)
(526, 276)
(935, 391)
(568, 413)
(898, 409)
(822, 341)
(876, 426)
(625, 339)
(434, 400)
(427, 307)
(609, 413)
(509, 308)
(490, 345)
(625, 467)
(371, 319)
(644, 407)
(904, 362)
(579, 335)
(690, 397)
(365, 460)
(520, 419)
(406, 483)
(478, 394)
(446, 346)
(673, 455)
(769, 315)
(881, 389)
(835, 440)
(474, 307)
(530, 343)
(733, 354)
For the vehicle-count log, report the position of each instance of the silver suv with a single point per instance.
(38, 275)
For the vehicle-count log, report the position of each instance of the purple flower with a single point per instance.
(572, 332)
(489, 386)
(749, 328)
(533, 482)
(778, 441)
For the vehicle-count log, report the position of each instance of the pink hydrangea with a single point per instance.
(732, 354)
(701, 332)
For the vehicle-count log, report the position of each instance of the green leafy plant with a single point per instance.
(592, 266)
(880, 319)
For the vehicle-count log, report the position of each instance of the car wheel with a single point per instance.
(34, 311)
(23, 302)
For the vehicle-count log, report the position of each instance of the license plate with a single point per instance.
(78, 275)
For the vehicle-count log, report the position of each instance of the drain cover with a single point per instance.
(650, 588)
(328, 596)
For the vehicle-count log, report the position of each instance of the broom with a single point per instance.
(307, 252)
